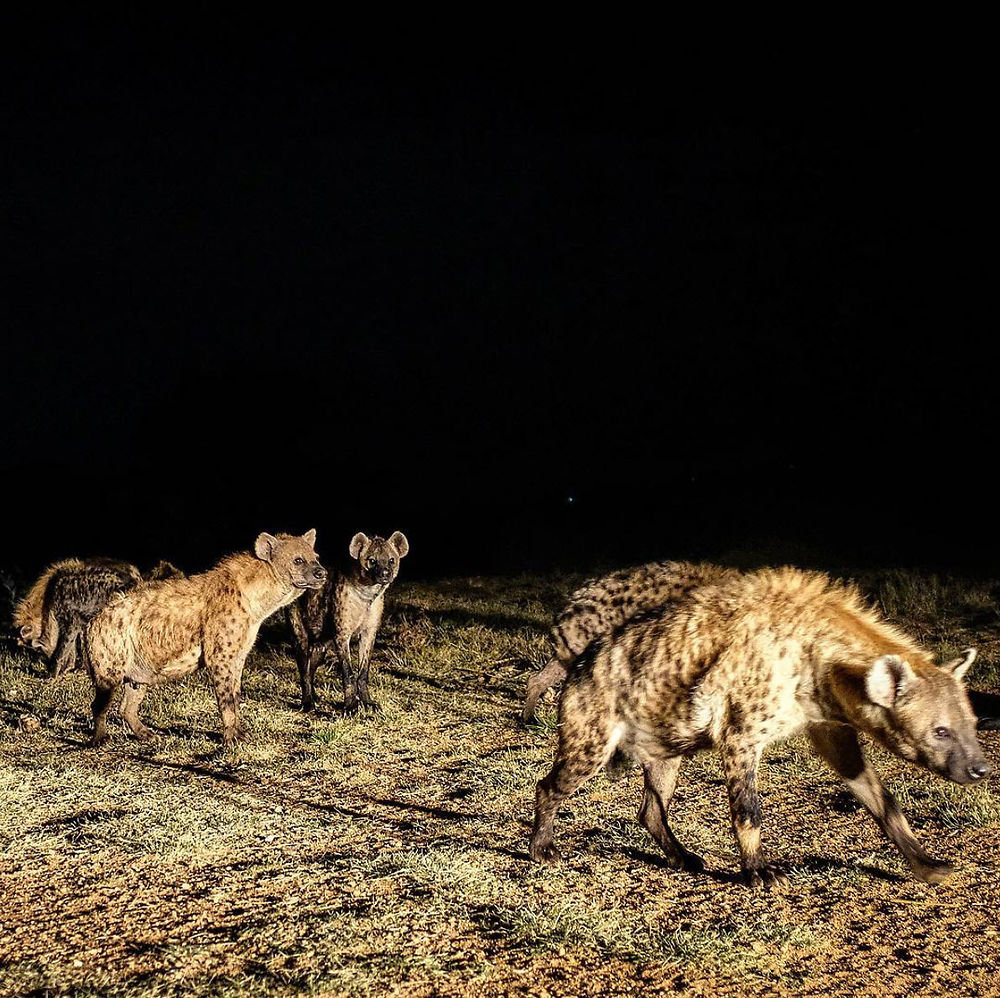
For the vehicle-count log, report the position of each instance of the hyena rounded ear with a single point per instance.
(888, 678)
(310, 537)
(265, 546)
(958, 667)
(400, 543)
(358, 541)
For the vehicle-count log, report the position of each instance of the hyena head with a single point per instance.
(292, 559)
(379, 558)
(926, 716)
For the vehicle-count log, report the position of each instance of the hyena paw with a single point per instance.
(372, 705)
(690, 861)
(308, 704)
(766, 877)
(932, 871)
(144, 734)
(98, 740)
(547, 853)
(352, 706)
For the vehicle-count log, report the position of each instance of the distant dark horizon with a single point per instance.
(254, 289)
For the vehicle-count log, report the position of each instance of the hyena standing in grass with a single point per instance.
(66, 597)
(348, 609)
(740, 664)
(601, 605)
(165, 630)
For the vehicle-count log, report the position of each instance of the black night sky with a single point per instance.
(262, 283)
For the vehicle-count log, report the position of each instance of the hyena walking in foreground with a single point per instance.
(740, 664)
(64, 599)
(601, 605)
(349, 608)
(165, 630)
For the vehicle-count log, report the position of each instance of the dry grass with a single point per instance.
(386, 855)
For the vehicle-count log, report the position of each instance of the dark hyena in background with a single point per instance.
(347, 610)
(601, 605)
(164, 630)
(740, 664)
(64, 599)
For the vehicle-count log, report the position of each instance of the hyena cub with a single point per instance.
(66, 597)
(744, 662)
(347, 609)
(164, 630)
(601, 605)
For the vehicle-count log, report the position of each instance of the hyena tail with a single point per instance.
(553, 672)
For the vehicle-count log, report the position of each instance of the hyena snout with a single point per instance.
(315, 575)
(979, 770)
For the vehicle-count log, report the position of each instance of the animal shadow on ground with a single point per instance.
(459, 616)
(810, 864)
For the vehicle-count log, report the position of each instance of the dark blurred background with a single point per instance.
(536, 312)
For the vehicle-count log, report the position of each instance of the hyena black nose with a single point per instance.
(980, 770)
(319, 572)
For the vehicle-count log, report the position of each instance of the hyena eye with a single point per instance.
(300, 561)
(392, 561)
(371, 562)
(942, 732)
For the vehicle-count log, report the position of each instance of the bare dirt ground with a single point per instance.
(386, 855)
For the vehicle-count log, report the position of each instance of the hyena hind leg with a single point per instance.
(551, 673)
(660, 783)
(581, 755)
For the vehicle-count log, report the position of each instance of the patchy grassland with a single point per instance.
(386, 855)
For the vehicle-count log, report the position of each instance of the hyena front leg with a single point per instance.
(365, 644)
(661, 781)
(343, 646)
(303, 656)
(739, 762)
(311, 660)
(227, 674)
(552, 672)
(129, 709)
(838, 744)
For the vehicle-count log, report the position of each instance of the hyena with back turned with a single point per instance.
(164, 630)
(63, 600)
(740, 664)
(601, 605)
(347, 609)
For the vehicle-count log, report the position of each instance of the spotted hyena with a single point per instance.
(164, 630)
(53, 615)
(601, 605)
(739, 664)
(347, 609)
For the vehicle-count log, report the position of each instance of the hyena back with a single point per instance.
(164, 630)
(740, 664)
(346, 610)
(601, 605)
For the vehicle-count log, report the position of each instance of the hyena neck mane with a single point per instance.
(264, 590)
(864, 639)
